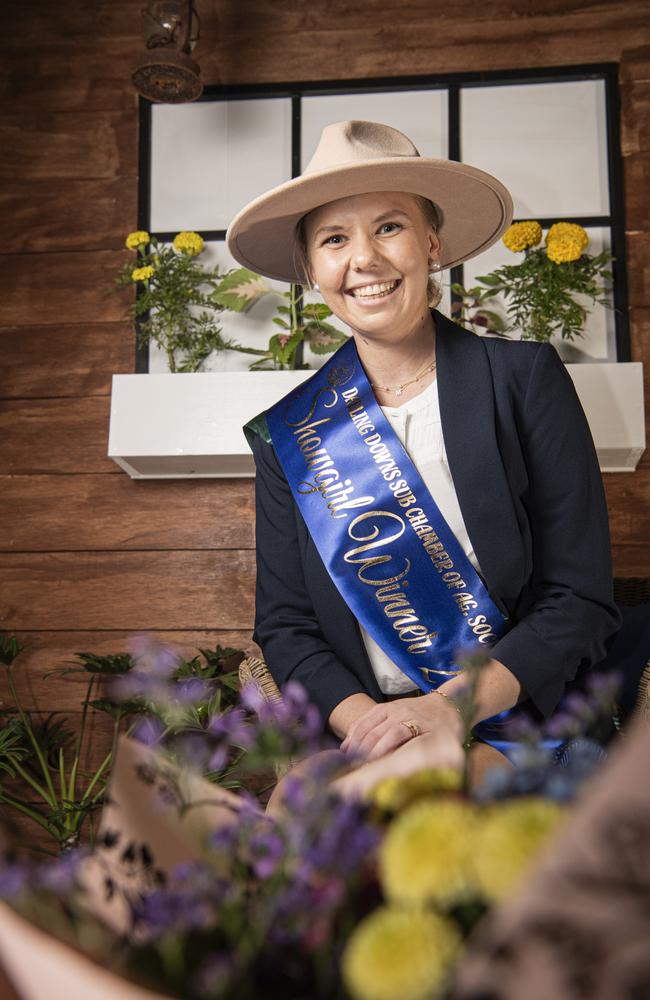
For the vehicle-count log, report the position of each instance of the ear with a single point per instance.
(434, 247)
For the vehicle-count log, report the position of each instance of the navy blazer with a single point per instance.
(525, 470)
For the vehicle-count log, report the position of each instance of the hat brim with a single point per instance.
(475, 209)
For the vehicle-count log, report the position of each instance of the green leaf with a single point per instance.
(489, 279)
(323, 338)
(316, 310)
(280, 322)
(114, 663)
(239, 289)
(10, 648)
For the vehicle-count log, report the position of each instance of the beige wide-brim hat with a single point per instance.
(358, 157)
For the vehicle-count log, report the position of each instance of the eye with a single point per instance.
(390, 226)
(336, 236)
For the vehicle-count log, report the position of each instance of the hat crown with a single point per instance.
(346, 143)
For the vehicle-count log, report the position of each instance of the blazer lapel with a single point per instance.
(467, 415)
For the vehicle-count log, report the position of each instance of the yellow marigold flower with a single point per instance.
(426, 853)
(397, 954)
(511, 836)
(566, 241)
(396, 793)
(189, 243)
(142, 273)
(522, 235)
(138, 239)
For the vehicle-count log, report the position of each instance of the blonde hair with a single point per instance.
(431, 217)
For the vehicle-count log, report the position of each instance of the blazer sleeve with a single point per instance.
(286, 628)
(573, 611)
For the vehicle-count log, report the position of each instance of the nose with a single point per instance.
(363, 252)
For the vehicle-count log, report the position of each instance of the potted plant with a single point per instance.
(179, 301)
(538, 294)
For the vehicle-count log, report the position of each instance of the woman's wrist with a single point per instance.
(445, 708)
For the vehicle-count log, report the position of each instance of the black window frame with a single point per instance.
(453, 83)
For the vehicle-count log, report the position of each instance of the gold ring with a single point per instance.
(412, 727)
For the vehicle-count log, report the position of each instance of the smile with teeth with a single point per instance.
(376, 291)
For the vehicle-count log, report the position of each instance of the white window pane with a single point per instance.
(210, 158)
(420, 114)
(598, 342)
(546, 142)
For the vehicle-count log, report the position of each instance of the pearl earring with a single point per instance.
(317, 288)
(435, 265)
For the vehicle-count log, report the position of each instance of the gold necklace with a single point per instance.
(398, 390)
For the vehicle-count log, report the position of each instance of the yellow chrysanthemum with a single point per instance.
(397, 954)
(426, 853)
(511, 836)
(142, 273)
(393, 794)
(138, 239)
(189, 243)
(566, 241)
(522, 235)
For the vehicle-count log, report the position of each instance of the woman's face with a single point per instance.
(371, 255)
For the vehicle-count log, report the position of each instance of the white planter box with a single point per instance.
(190, 424)
(177, 426)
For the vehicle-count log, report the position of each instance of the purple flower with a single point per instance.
(267, 850)
(191, 691)
(232, 727)
(168, 910)
(154, 657)
(59, 875)
(13, 880)
(148, 730)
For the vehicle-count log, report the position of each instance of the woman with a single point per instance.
(496, 521)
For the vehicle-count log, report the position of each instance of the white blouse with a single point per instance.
(417, 425)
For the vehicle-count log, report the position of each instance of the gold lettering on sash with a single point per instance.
(389, 590)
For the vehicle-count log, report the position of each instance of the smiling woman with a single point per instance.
(458, 505)
(392, 220)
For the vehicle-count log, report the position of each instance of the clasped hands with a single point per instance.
(381, 730)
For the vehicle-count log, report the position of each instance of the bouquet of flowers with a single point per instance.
(539, 293)
(328, 895)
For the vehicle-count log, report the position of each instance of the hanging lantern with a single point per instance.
(167, 73)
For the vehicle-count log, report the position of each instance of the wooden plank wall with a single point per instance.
(87, 556)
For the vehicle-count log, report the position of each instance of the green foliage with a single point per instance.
(538, 296)
(299, 324)
(40, 758)
(179, 302)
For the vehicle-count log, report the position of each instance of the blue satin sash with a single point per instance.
(379, 532)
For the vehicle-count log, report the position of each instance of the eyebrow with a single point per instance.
(336, 228)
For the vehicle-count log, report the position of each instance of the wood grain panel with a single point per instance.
(55, 435)
(127, 590)
(61, 288)
(637, 184)
(54, 650)
(37, 214)
(101, 81)
(365, 42)
(631, 560)
(59, 360)
(63, 145)
(68, 513)
(638, 250)
(635, 118)
(629, 512)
